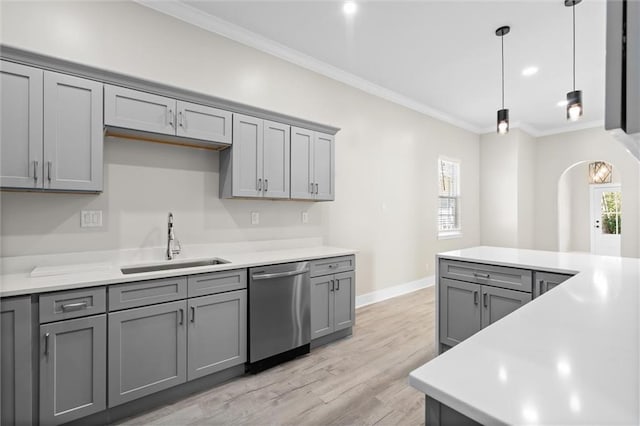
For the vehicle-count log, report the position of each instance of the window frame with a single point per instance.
(450, 233)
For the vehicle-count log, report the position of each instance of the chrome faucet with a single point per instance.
(173, 245)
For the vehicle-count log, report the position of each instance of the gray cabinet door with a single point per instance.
(323, 169)
(460, 313)
(15, 361)
(545, 281)
(20, 126)
(344, 295)
(247, 156)
(217, 333)
(302, 164)
(203, 122)
(500, 302)
(73, 133)
(276, 150)
(322, 306)
(131, 109)
(147, 350)
(73, 369)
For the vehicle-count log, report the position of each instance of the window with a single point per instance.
(449, 198)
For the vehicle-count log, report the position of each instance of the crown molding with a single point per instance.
(211, 23)
(536, 133)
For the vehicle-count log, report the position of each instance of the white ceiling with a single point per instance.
(438, 57)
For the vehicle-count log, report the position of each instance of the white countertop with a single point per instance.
(568, 357)
(88, 274)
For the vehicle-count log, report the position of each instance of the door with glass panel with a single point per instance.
(606, 219)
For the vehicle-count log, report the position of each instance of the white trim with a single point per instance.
(194, 16)
(532, 131)
(395, 291)
(449, 235)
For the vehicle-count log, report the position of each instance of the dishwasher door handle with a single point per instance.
(279, 275)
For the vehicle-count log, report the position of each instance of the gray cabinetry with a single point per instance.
(217, 333)
(73, 133)
(497, 276)
(63, 305)
(497, 303)
(15, 361)
(132, 109)
(216, 282)
(203, 122)
(147, 350)
(257, 164)
(20, 126)
(460, 312)
(545, 281)
(312, 165)
(332, 295)
(72, 369)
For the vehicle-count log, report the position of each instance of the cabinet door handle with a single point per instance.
(337, 285)
(49, 171)
(260, 184)
(193, 314)
(475, 297)
(541, 287)
(170, 117)
(75, 306)
(316, 188)
(181, 316)
(46, 343)
(484, 300)
(35, 170)
(332, 284)
(180, 119)
(311, 187)
(266, 185)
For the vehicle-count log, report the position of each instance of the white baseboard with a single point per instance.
(396, 290)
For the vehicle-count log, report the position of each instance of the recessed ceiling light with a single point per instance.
(529, 71)
(562, 103)
(350, 8)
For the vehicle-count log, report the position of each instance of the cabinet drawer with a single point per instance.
(142, 293)
(216, 282)
(498, 276)
(332, 265)
(63, 305)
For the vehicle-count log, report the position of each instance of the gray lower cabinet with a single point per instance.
(21, 130)
(466, 308)
(73, 133)
(15, 361)
(332, 303)
(217, 333)
(73, 369)
(545, 281)
(147, 350)
(257, 165)
(312, 165)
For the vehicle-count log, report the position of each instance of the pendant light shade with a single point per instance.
(502, 122)
(574, 98)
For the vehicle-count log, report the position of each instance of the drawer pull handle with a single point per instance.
(478, 275)
(75, 306)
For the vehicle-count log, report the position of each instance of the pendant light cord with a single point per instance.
(574, 46)
(502, 40)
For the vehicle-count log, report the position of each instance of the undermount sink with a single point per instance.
(172, 265)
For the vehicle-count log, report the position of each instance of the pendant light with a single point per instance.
(503, 114)
(574, 98)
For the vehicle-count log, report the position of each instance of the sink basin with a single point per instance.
(172, 265)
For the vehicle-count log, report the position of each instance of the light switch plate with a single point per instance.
(90, 218)
(305, 217)
(255, 218)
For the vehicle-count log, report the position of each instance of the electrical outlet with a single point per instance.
(90, 218)
(305, 217)
(255, 218)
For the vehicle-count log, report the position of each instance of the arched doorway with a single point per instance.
(589, 218)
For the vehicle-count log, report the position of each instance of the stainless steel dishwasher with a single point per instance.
(279, 314)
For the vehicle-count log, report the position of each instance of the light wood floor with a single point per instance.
(361, 380)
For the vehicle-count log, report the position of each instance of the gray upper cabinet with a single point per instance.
(312, 165)
(257, 165)
(344, 300)
(322, 306)
(545, 281)
(203, 122)
(460, 311)
(147, 350)
(73, 133)
(217, 333)
(20, 126)
(73, 369)
(132, 109)
(497, 303)
(15, 361)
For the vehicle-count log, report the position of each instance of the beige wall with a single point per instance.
(386, 155)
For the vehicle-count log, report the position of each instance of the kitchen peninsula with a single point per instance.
(569, 356)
